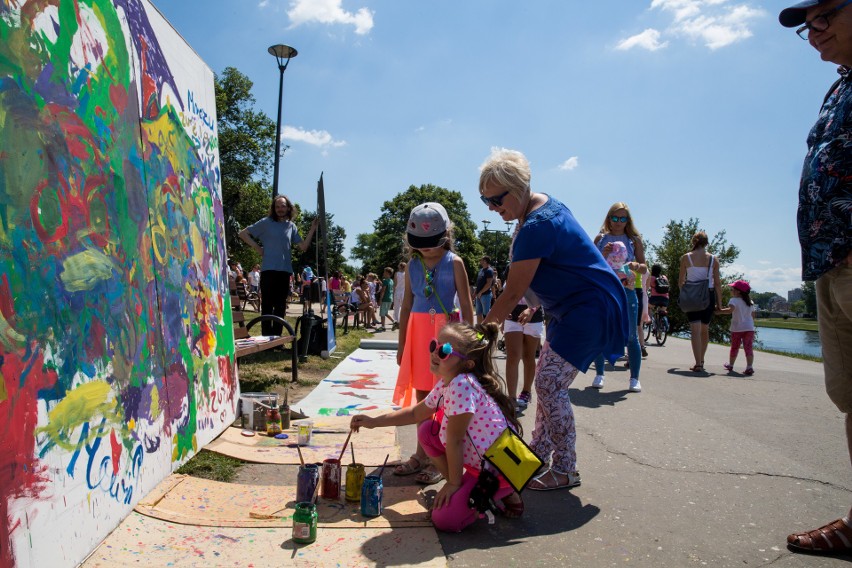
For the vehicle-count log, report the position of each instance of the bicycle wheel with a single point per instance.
(660, 333)
(648, 327)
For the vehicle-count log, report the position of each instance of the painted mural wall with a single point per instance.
(116, 343)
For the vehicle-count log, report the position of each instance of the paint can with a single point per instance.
(306, 482)
(354, 481)
(305, 429)
(273, 421)
(305, 523)
(371, 496)
(330, 479)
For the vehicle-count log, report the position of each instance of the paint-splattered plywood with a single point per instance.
(363, 382)
(144, 541)
(193, 501)
(371, 446)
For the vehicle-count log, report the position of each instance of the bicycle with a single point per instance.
(658, 326)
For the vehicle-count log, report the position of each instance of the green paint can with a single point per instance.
(305, 523)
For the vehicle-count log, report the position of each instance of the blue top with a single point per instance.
(586, 302)
(277, 238)
(443, 283)
(824, 218)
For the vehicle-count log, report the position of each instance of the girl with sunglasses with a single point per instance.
(459, 419)
(434, 276)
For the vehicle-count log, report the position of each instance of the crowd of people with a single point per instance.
(588, 293)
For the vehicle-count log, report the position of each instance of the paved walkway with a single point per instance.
(697, 470)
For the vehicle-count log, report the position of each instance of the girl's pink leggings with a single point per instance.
(457, 514)
(744, 337)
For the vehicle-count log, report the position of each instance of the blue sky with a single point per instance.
(681, 108)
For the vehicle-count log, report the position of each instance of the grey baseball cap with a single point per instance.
(427, 225)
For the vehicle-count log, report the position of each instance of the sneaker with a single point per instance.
(524, 399)
(728, 367)
(644, 352)
(598, 382)
(395, 326)
(635, 386)
(749, 371)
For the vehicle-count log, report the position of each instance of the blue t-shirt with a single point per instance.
(586, 302)
(277, 238)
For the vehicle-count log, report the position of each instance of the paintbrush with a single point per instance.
(382, 469)
(352, 447)
(343, 450)
(301, 459)
(264, 517)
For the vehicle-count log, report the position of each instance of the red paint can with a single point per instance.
(330, 479)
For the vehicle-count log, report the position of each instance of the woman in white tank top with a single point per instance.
(695, 266)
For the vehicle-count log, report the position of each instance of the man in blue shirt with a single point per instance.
(825, 226)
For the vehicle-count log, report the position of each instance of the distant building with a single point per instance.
(795, 295)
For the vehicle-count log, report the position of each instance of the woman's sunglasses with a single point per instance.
(617, 219)
(496, 200)
(444, 350)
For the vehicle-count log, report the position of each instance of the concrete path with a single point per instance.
(710, 469)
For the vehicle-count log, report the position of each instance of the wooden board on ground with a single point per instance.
(195, 501)
(144, 541)
(371, 446)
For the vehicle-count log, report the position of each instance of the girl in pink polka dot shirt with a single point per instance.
(459, 419)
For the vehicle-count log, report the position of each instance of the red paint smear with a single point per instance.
(361, 384)
(22, 475)
(95, 345)
(116, 451)
(6, 306)
(365, 375)
(118, 96)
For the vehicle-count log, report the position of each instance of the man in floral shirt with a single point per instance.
(825, 226)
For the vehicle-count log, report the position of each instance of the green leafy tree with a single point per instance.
(384, 247)
(496, 244)
(676, 242)
(809, 297)
(246, 154)
(762, 299)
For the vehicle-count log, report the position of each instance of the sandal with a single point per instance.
(406, 468)
(697, 368)
(428, 477)
(513, 509)
(833, 538)
(545, 483)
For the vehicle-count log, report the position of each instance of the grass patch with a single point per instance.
(211, 465)
(793, 355)
(801, 324)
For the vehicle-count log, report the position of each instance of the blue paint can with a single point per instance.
(306, 483)
(371, 496)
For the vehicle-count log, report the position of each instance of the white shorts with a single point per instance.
(533, 329)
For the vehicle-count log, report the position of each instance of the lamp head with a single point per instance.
(283, 53)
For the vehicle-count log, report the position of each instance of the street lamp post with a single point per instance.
(497, 239)
(283, 54)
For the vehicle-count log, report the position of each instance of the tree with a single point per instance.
(675, 243)
(384, 247)
(497, 245)
(246, 153)
(809, 297)
(762, 299)
(336, 236)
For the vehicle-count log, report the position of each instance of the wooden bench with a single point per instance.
(246, 345)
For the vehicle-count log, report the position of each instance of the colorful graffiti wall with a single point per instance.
(116, 343)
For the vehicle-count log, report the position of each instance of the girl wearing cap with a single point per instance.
(554, 258)
(434, 275)
(741, 309)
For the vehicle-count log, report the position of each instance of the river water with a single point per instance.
(790, 340)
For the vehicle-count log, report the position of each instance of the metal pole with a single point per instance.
(277, 161)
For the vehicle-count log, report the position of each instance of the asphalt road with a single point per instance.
(710, 469)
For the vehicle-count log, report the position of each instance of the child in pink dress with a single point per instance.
(459, 419)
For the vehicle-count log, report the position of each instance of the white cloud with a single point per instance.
(778, 279)
(329, 12)
(715, 23)
(648, 39)
(570, 164)
(319, 138)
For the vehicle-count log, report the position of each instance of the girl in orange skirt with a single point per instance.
(434, 276)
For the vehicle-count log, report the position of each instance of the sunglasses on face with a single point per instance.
(444, 350)
(496, 200)
(617, 219)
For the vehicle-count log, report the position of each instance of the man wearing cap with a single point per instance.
(482, 291)
(825, 227)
